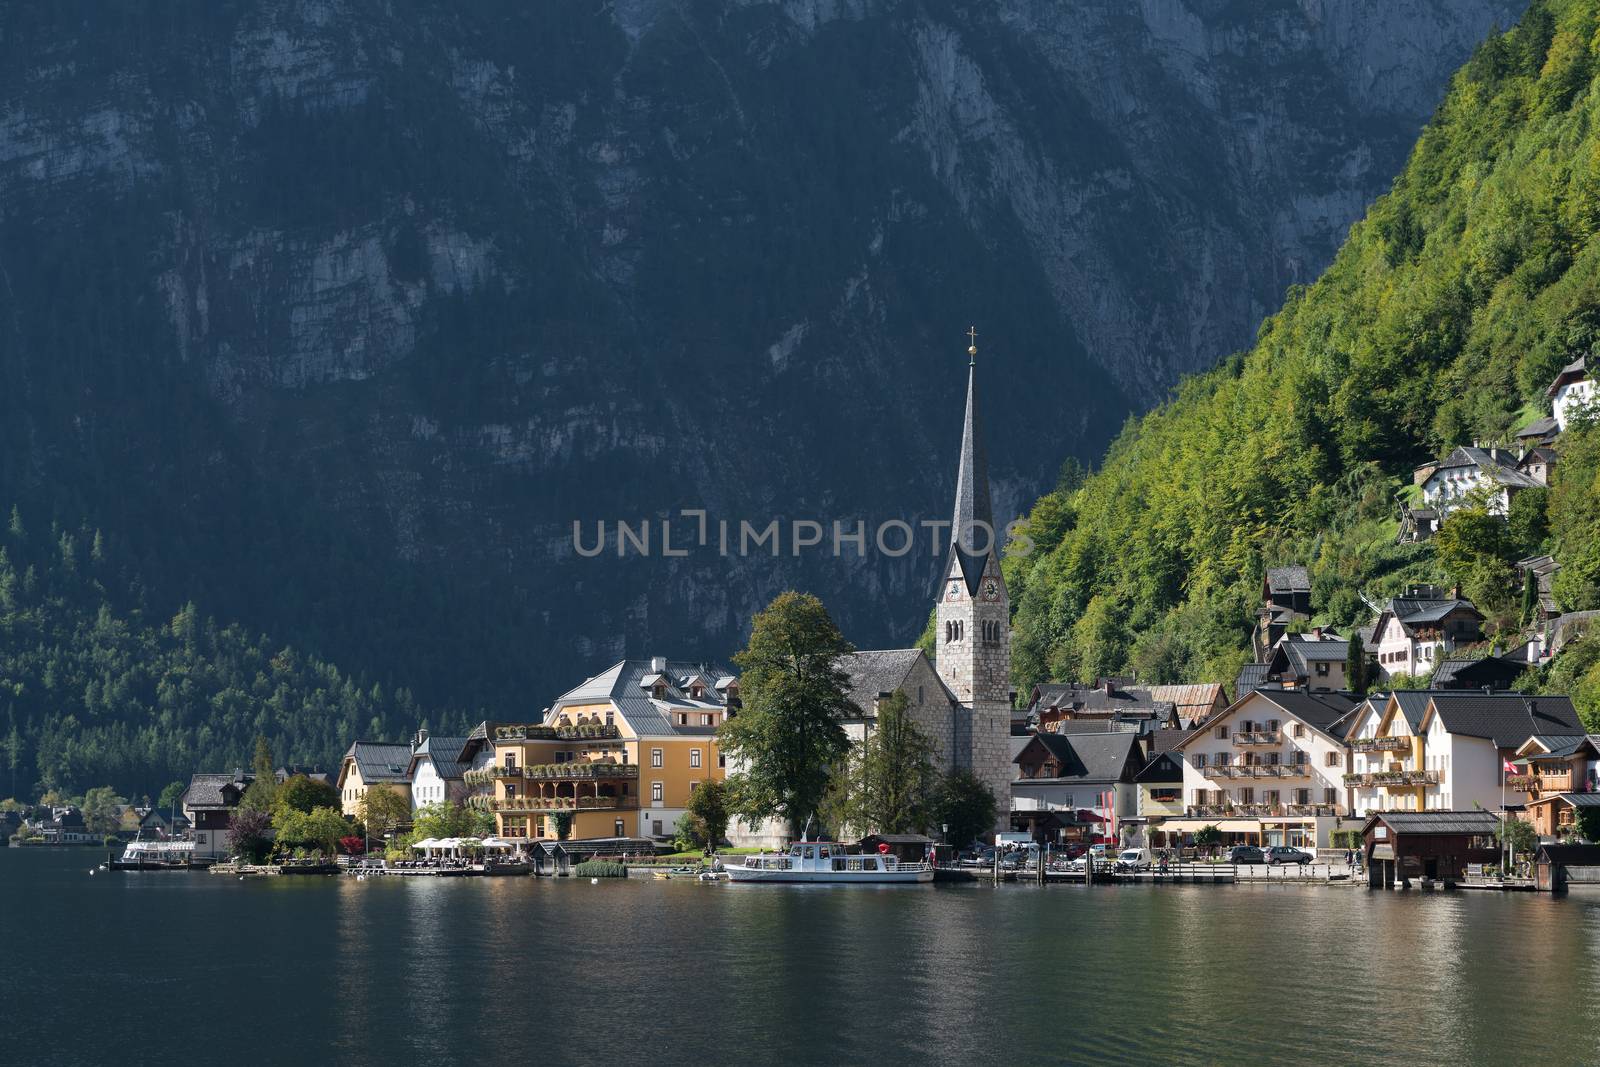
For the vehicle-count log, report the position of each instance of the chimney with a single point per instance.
(1316, 631)
(416, 742)
(658, 664)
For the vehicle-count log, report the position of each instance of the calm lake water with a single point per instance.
(520, 970)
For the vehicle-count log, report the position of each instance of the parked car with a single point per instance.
(1133, 859)
(1284, 854)
(1072, 850)
(1246, 854)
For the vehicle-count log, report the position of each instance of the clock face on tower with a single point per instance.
(991, 589)
(954, 592)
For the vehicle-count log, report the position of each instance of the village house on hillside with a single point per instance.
(373, 763)
(209, 804)
(1414, 631)
(1285, 600)
(1108, 701)
(1572, 390)
(1497, 473)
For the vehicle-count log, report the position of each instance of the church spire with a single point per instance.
(972, 533)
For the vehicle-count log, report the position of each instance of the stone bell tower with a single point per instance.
(974, 616)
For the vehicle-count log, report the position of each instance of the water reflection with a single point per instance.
(560, 971)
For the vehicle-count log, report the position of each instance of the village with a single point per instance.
(1400, 753)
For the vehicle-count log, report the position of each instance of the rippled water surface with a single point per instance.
(477, 971)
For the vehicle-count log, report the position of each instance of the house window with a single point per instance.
(722, 761)
(1273, 758)
(1302, 796)
(511, 761)
(694, 757)
(1330, 796)
(1246, 727)
(1199, 760)
(1067, 800)
(1222, 733)
(655, 757)
(1272, 726)
(919, 694)
(1299, 729)
(1322, 670)
(611, 718)
(1333, 759)
(655, 792)
(1270, 796)
(1247, 795)
(693, 785)
(683, 718)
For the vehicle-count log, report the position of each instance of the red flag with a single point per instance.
(1509, 769)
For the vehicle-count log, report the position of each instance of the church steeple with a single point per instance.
(972, 533)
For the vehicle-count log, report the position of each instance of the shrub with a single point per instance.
(600, 869)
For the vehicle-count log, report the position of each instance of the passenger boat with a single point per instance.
(827, 862)
(159, 856)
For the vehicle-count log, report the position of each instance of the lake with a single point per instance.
(146, 967)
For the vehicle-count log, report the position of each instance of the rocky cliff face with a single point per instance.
(342, 314)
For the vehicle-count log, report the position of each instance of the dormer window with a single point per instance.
(659, 690)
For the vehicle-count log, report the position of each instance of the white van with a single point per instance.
(1133, 859)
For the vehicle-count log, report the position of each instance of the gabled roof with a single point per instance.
(880, 671)
(1580, 800)
(1412, 705)
(1539, 746)
(1294, 579)
(380, 761)
(447, 754)
(1540, 428)
(216, 790)
(1507, 719)
(1436, 822)
(1189, 698)
(1572, 372)
(1163, 767)
(1326, 713)
(1107, 757)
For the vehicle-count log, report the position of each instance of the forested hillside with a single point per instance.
(94, 691)
(1442, 319)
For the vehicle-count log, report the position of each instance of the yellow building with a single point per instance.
(622, 752)
(370, 763)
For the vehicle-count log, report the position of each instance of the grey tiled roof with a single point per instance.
(1107, 757)
(381, 761)
(1541, 427)
(1573, 370)
(1413, 704)
(1251, 676)
(877, 671)
(1163, 767)
(620, 685)
(1439, 822)
(1507, 719)
(206, 790)
(446, 754)
(1318, 710)
(1288, 579)
(1582, 800)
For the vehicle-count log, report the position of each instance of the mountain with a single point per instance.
(1441, 321)
(341, 315)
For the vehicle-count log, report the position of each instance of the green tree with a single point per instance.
(450, 818)
(789, 737)
(965, 807)
(383, 810)
(1516, 836)
(305, 794)
(891, 780)
(1208, 838)
(562, 822)
(101, 814)
(1355, 665)
(1588, 824)
(319, 829)
(709, 804)
(690, 833)
(261, 763)
(171, 794)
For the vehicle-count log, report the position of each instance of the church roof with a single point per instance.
(972, 533)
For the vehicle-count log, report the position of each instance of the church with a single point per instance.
(962, 699)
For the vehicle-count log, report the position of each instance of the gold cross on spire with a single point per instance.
(972, 349)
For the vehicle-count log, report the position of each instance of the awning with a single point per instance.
(1383, 852)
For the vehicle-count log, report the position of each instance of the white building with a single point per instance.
(1270, 769)
(1494, 473)
(1446, 750)
(1572, 390)
(1414, 632)
(439, 765)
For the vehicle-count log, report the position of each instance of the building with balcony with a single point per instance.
(438, 767)
(1444, 750)
(621, 752)
(1560, 775)
(1268, 770)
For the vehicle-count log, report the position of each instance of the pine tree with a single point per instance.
(1355, 665)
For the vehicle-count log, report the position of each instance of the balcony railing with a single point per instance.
(1381, 744)
(1403, 778)
(1525, 782)
(1259, 811)
(579, 731)
(549, 804)
(554, 772)
(1218, 772)
(1257, 737)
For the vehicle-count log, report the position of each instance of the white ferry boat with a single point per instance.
(829, 862)
(159, 856)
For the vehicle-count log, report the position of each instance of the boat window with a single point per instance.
(795, 851)
(823, 852)
(811, 852)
